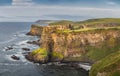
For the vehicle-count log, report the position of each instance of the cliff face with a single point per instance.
(99, 45)
(46, 42)
(35, 30)
(89, 45)
(81, 46)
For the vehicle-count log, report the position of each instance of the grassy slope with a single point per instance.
(88, 29)
(106, 48)
(89, 22)
(109, 65)
(101, 20)
(63, 22)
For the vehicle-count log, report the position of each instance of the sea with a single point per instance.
(13, 35)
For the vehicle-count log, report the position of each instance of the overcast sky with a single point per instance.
(32, 10)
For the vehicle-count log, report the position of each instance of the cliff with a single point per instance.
(65, 43)
(89, 45)
(35, 30)
(81, 46)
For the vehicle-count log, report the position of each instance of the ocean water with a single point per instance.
(12, 34)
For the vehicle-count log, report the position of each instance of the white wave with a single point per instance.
(13, 64)
(22, 42)
(9, 57)
(86, 67)
(7, 41)
(15, 35)
(8, 64)
(20, 55)
(5, 47)
(21, 35)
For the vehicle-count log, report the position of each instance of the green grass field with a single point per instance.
(89, 21)
(109, 65)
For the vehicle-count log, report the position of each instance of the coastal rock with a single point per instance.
(37, 58)
(15, 57)
(26, 49)
(8, 48)
(34, 42)
(36, 30)
(25, 53)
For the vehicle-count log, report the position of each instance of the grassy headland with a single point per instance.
(93, 40)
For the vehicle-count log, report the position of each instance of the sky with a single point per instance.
(33, 10)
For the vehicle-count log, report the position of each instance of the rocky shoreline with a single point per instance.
(65, 44)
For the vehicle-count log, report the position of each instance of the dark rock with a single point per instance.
(15, 57)
(26, 49)
(28, 56)
(34, 42)
(28, 33)
(9, 48)
(36, 30)
(25, 53)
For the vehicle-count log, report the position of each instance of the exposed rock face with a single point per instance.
(34, 42)
(47, 39)
(77, 46)
(26, 49)
(8, 48)
(35, 30)
(74, 45)
(96, 43)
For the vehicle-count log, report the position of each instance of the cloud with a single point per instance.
(22, 2)
(111, 3)
(70, 17)
(32, 13)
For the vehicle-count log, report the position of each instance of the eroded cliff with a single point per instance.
(89, 45)
(64, 43)
(35, 30)
(79, 46)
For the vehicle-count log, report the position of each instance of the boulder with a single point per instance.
(15, 57)
(8, 48)
(34, 42)
(26, 49)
